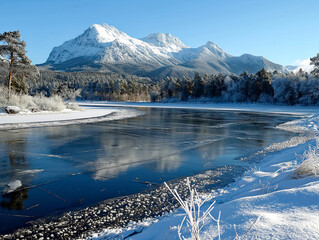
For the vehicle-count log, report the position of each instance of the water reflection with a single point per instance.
(15, 146)
(161, 141)
(121, 154)
(14, 200)
(163, 144)
(155, 141)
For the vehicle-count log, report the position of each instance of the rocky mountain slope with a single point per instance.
(104, 48)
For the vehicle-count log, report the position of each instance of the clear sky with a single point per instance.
(281, 30)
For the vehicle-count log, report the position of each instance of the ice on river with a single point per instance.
(12, 186)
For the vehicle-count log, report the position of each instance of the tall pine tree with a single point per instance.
(12, 48)
(198, 86)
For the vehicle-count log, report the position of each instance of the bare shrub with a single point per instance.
(27, 102)
(310, 163)
(196, 219)
(54, 103)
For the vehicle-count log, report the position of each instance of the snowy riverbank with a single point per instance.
(88, 114)
(276, 199)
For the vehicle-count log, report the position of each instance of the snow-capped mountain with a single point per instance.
(104, 48)
(106, 44)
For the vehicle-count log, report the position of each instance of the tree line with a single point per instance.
(92, 85)
(263, 87)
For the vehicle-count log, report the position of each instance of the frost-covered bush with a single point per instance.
(54, 103)
(310, 163)
(286, 88)
(195, 217)
(299, 88)
(31, 103)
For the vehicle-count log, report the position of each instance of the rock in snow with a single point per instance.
(12, 109)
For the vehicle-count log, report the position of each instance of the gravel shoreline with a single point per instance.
(119, 212)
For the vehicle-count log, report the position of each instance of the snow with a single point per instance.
(12, 186)
(217, 50)
(267, 202)
(167, 41)
(87, 115)
(13, 109)
(56, 116)
(106, 33)
(114, 46)
(306, 124)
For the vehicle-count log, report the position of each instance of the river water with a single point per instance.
(68, 167)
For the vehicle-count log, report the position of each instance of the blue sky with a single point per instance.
(281, 30)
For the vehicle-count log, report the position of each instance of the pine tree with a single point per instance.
(198, 86)
(315, 61)
(187, 86)
(264, 79)
(12, 48)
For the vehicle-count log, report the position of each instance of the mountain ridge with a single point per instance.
(104, 48)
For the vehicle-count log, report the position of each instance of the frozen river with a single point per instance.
(68, 167)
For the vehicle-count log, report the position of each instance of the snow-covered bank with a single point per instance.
(243, 107)
(66, 117)
(270, 201)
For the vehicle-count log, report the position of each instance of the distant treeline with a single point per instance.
(264, 87)
(89, 85)
(94, 85)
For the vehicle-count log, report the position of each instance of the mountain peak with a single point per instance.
(104, 33)
(166, 41)
(216, 50)
(210, 43)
